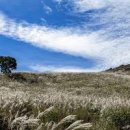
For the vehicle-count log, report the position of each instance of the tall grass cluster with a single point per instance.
(98, 101)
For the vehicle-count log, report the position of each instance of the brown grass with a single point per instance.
(99, 99)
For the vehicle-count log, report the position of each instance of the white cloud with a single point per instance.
(64, 40)
(47, 9)
(44, 68)
(115, 16)
(85, 5)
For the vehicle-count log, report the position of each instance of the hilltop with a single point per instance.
(121, 69)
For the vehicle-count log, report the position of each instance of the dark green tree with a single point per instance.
(7, 64)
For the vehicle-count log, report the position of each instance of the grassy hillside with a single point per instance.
(123, 69)
(93, 101)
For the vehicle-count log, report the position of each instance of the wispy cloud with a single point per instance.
(46, 8)
(58, 1)
(44, 68)
(110, 44)
(85, 5)
(64, 40)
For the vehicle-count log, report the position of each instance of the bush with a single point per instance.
(17, 77)
(120, 117)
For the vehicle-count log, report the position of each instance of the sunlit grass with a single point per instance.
(95, 101)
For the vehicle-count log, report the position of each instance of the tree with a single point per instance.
(7, 64)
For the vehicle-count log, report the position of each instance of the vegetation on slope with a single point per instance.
(93, 101)
(121, 69)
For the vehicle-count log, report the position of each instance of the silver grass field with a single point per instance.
(65, 101)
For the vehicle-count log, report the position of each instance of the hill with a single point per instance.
(121, 69)
(65, 101)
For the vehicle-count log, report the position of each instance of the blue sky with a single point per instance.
(65, 35)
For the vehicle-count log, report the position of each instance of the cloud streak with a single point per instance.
(64, 69)
(63, 40)
(46, 8)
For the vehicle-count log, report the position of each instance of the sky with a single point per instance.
(65, 35)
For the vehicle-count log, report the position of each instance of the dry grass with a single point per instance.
(94, 101)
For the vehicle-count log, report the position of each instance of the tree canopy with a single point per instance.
(7, 64)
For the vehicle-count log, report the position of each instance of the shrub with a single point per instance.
(17, 77)
(119, 116)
